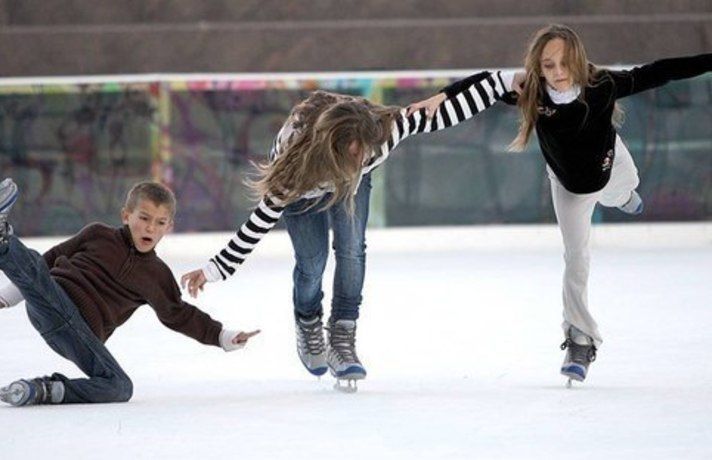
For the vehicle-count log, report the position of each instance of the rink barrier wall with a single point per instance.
(75, 144)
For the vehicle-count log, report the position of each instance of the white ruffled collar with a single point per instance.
(563, 97)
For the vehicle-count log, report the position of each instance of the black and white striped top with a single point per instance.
(478, 96)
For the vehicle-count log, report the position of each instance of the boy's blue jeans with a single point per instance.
(309, 232)
(61, 325)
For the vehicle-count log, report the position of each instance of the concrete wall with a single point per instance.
(74, 37)
(3, 13)
(94, 12)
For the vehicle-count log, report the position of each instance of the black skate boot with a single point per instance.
(580, 353)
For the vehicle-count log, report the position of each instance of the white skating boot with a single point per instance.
(310, 344)
(8, 196)
(341, 355)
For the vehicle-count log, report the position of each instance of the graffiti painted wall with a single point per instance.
(76, 147)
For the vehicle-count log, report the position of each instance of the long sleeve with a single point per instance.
(461, 85)
(67, 248)
(164, 296)
(466, 98)
(262, 220)
(464, 103)
(658, 73)
(190, 321)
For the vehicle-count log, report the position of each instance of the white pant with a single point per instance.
(573, 212)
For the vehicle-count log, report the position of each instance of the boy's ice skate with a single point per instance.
(341, 355)
(42, 390)
(580, 353)
(8, 196)
(634, 205)
(310, 344)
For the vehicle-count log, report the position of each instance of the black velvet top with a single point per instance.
(577, 139)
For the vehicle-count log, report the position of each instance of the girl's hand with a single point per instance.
(195, 281)
(430, 105)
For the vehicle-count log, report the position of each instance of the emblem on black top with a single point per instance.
(607, 161)
(546, 111)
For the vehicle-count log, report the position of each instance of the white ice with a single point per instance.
(459, 331)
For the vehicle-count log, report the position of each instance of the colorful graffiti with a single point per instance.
(75, 148)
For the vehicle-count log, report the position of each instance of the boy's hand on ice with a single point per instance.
(234, 340)
(195, 281)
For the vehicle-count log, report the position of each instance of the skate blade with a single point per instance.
(346, 386)
(573, 376)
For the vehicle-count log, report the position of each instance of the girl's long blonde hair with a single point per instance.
(583, 73)
(325, 126)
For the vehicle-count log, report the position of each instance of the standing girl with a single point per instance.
(319, 176)
(572, 105)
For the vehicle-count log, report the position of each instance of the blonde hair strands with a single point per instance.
(326, 126)
(583, 73)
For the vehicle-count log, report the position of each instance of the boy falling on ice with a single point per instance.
(81, 290)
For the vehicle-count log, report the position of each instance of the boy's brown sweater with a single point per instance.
(108, 279)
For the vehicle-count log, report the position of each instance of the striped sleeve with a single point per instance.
(263, 218)
(276, 148)
(466, 99)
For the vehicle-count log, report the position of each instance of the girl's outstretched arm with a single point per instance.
(511, 81)
(454, 104)
(658, 73)
(263, 218)
(224, 264)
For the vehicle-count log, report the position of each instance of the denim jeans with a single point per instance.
(58, 320)
(309, 233)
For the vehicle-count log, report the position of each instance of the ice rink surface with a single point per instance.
(459, 331)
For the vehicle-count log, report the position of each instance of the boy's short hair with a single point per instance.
(155, 192)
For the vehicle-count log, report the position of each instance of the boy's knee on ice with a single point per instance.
(125, 390)
(122, 389)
